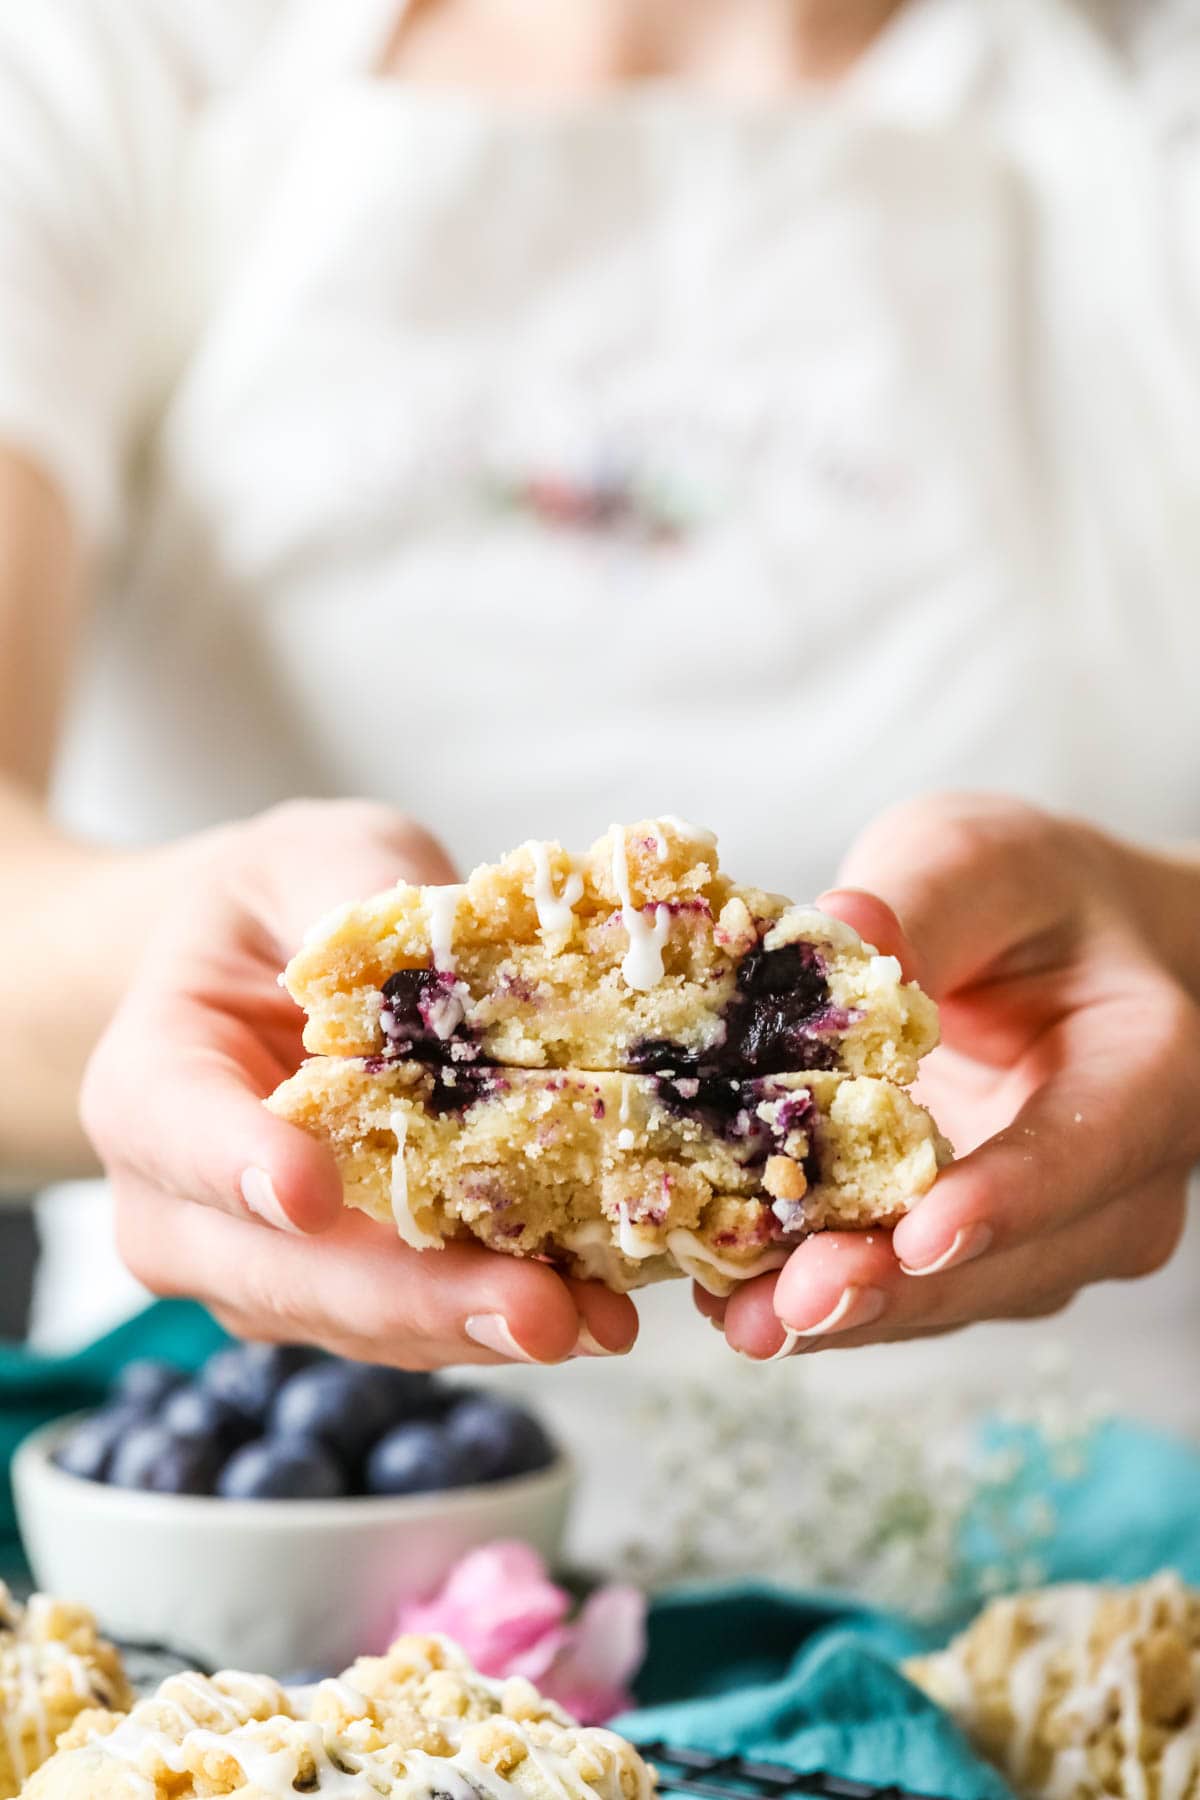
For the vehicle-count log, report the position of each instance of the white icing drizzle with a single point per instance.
(441, 904)
(14, 1737)
(1026, 1686)
(30, 1660)
(631, 1242)
(598, 1257)
(698, 1259)
(625, 1139)
(662, 848)
(555, 911)
(345, 1773)
(350, 1697)
(626, 1098)
(1181, 1757)
(685, 830)
(643, 964)
(402, 1212)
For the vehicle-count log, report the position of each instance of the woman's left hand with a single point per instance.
(1068, 1077)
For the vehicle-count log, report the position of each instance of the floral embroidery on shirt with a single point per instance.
(617, 503)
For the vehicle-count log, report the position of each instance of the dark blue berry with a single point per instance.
(782, 1000)
(152, 1459)
(89, 1449)
(498, 1438)
(343, 1404)
(406, 1393)
(422, 1017)
(282, 1469)
(147, 1383)
(195, 1412)
(457, 1087)
(248, 1376)
(418, 1458)
(777, 1020)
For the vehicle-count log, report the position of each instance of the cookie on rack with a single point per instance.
(639, 954)
(1080, 1691)
(53, 1666)
(624, 1178)
(415, 1724)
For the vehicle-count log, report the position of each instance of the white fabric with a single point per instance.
(918, 363)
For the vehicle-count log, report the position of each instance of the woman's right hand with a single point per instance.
(218, 1199)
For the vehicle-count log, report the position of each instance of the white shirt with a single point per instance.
(888, 401)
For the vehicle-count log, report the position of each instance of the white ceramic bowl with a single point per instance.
(279, 1586)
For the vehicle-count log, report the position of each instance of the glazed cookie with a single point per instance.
(1077, 1691)
(52, 1666)
(417, 1723)
(627, 1178)
(639, 955)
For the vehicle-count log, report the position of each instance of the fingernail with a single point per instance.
(966, 1245)
(587, 1345)
(857, 1306)
(258, 1192)
(493, 1332)
(787, 1348)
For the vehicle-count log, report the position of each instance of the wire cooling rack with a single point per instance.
(707, 1777)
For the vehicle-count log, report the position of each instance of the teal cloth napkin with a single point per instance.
(36, 1389)
(802, 1681)
(812, 1681)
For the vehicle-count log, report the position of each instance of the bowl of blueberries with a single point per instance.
(274, 1510)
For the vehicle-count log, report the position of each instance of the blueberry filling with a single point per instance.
(723, 1105)
(456, 1088)
(423, 1017)
(773, 1023)
(728, 1108)
(782, 1002)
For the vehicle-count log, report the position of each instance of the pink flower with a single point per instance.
(511, 1619)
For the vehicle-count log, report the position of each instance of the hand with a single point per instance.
(218, 1199)
(1068, 1078)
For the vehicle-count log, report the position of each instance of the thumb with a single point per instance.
(967, 878)
(308, 857)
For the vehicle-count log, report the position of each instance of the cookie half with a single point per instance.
(640, 954)
(625, 1178)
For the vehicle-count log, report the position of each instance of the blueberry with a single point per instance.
(418, 1458)
(343, 1404)
(498, 1438)
(422, 1017)
(155, 1460)
(89, 1449)
(282, 1469)
(781, 1005)
(778, 1018)
(405, 1393)
(147, 1382)
(248, 1376)
(194, 1412)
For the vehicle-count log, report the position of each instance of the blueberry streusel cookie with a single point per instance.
(1080, 1691)
(417, 1723)
(52, 1666)
(639, 955)
(621, 1062)
(627, 1178)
